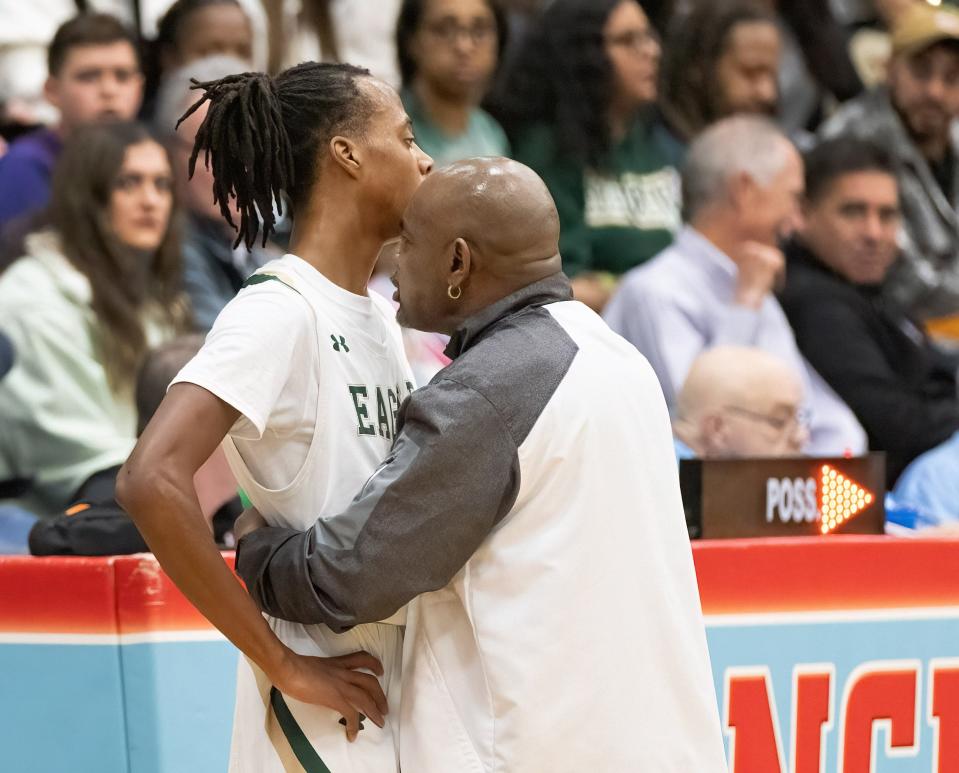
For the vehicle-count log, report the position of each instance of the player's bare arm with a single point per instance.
(156, 488)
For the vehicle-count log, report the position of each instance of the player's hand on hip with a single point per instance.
(337, 684)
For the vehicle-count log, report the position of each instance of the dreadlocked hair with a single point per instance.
(262, 137)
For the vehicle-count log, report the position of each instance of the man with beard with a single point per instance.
(913, 119)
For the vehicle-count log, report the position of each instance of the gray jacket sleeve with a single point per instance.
(452, 475)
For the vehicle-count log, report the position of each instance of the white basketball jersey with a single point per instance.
(344, 404)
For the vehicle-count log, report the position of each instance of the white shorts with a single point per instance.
(259, 743)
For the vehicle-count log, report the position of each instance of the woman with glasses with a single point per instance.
(578, 108)
(448, 53)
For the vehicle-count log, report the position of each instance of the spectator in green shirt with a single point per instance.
(578, 108)
(448, 52)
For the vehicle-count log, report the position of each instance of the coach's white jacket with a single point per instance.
(531, 503)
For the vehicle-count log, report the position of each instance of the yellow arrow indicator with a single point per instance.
(839, 499)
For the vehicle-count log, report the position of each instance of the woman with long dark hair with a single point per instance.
(300, 380)
(722, 58)
(578, 108)
(90, 295)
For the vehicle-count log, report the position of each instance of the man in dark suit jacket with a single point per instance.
(901, 387)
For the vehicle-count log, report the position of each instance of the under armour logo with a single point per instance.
(339, 342)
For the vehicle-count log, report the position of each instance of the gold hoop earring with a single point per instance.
(459, 293)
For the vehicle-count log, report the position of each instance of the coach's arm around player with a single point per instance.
(453, 473)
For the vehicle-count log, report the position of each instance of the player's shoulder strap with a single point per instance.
(271, 276)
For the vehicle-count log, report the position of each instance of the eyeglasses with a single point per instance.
(450, 31)
(784, 424)
(634, 40)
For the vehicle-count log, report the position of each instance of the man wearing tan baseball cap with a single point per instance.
(914, 118)
(922, 25)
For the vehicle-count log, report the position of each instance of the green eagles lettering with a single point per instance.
(388, 401)
(362, 414)
(394, 405)
(382, 417)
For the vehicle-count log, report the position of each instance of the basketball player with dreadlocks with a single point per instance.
(300, 380)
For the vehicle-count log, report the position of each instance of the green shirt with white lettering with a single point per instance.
(617, 217)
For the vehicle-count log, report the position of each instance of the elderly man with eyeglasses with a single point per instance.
(739, 402)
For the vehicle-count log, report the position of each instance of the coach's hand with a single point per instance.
(336, 684)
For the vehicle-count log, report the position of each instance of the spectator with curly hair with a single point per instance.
(778, 58)
(578, 108)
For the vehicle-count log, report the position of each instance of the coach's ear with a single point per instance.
(460, 265)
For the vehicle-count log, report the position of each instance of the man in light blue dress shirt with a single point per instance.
(715, 285)
(927, 493)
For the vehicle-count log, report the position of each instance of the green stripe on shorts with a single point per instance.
(298, 741)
